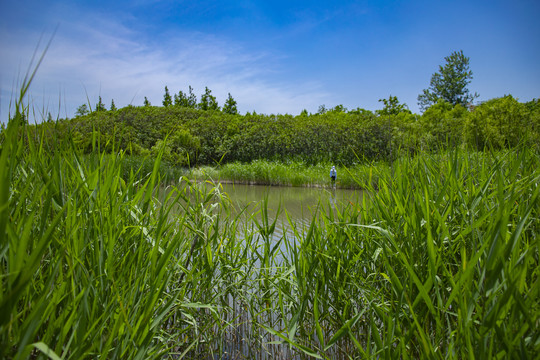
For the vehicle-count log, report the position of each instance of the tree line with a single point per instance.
(192, 136)
(193, 132)
(181, 99)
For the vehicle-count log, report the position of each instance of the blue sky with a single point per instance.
(272, 56)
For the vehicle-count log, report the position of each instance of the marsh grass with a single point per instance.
(440, 260)
(292, 173)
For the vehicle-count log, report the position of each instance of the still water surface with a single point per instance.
(300, 203)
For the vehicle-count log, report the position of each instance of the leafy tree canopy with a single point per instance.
(82, 110)
(449, 83)
(392, 106)
(339, 109)
(322, 109)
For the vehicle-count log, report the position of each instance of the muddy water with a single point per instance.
(299, 203)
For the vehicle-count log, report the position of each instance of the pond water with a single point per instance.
(300, 203)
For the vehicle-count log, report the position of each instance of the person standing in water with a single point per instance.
(333, 175)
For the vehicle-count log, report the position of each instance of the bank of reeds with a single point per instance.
(292, 173)
(440, 260)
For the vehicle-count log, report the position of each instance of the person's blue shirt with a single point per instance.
(333, 173)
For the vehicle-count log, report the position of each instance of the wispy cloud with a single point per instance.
(101, 57)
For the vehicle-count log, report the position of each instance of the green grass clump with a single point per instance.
(291, 173)
(442, 262)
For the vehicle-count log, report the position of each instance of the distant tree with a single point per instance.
(533, 105)
(100, 106)
(360, 111)
(113, 107)
(192, 98)
(322, 109)
(304, 113)
(449, 83)
(146, 102)
(49, 118)
(230, 106)
(338, 108)
(82, 110)
(167, 100)
(181, 99)
(392, 106)
(208, 101)
(501, 123)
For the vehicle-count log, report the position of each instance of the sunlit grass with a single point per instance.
(99, 260)
(291, 173)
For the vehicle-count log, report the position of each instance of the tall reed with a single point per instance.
(440, 262)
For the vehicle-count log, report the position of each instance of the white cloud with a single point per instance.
(102, 57)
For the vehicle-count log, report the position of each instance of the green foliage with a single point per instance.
(82, 110)
(230, 106)
(450, 83)
(208, 101)
(179, 148)
(338, 108)
(336, 135)
(113, 106)
(362, 112)
(192, 98)
(146, 102)
(167, 100)
(439, 259)
(501, 123)
(100, 106)
(181, 99)
(392, 107)
(442, 125)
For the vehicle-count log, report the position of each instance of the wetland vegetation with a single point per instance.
(111, 248)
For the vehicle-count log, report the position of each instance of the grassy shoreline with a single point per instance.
(295, 174)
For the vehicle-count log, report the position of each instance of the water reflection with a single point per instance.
(299, 203)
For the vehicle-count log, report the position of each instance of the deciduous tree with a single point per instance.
(449, 83)
(82, 110)
(392, 106)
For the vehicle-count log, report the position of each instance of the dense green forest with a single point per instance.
(192, 136)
